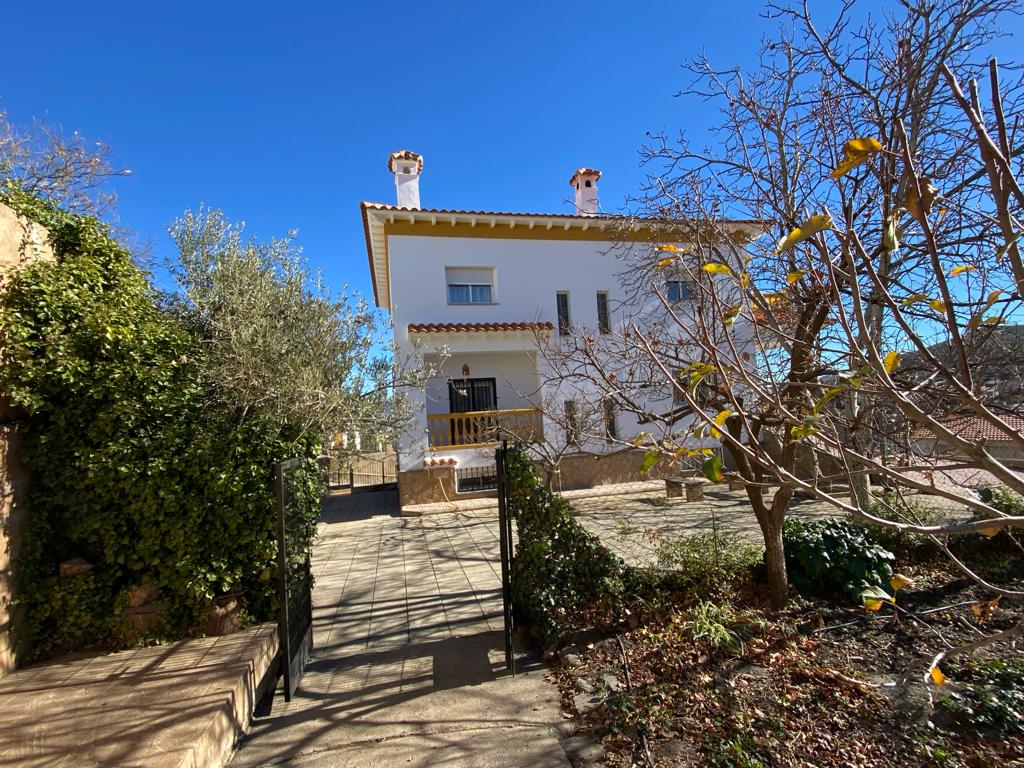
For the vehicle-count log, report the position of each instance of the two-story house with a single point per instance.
(475, 293)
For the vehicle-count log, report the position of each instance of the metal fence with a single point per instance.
(505, 546)
(470, 479)
(295, 531)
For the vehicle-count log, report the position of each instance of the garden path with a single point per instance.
(408, 660)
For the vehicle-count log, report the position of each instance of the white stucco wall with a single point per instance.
(529, 273)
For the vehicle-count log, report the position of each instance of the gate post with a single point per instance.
(505, 541)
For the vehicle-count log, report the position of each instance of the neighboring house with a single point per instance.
(972, 427)
(475, 293)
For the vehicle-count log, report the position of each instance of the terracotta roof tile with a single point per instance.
(477, 327)
(972, 427)
(405, 154)
(583, 172)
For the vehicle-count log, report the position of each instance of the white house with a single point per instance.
(473, 292)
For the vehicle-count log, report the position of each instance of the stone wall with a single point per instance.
(432, 486)
(21, 241)
(589, 470)
(582, 470)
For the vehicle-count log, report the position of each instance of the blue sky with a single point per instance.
(283, 114)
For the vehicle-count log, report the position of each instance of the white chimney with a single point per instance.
(407, 167)
(584, 184)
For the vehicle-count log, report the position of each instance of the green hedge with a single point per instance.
(560, 572)
(137, 466)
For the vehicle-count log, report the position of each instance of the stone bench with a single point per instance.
(693, 486)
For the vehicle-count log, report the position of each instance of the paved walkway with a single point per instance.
(408, 665)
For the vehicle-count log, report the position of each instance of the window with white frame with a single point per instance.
(680, 290)
(470, 285)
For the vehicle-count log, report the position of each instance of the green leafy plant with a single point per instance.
(718, 625)
(708, 565)
(560, 571)
(827, 557)
(139, 468)
(992, 703)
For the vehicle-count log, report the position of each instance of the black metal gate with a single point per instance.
(371, 473)
(294, 575)
(505, 539)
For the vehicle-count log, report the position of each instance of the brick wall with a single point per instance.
(21, 241)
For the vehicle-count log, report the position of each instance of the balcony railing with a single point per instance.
(476, 428)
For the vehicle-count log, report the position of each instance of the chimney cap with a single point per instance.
(405, 154)
(581, 172)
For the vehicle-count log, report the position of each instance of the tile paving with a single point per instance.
(408, 660)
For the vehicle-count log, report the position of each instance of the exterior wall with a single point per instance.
(587, 470)
(21, 241)
(528, 275)
(515, 375)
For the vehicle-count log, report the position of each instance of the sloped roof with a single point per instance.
(477, 327)
(972, 427)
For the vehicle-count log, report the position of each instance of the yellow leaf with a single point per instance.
(891, 362)
(809, 228)
(722, 416)
(920, 208)
(993, 320)
(914, 299)
(872, 605)
(960, 270)
(639, 438)
(795, 275)
(666, 262)
(729, 316)
(855, 152)
(669, 248)
(937, 677)
(938, 305)
(890, 238)
(899, 581)
(744, 279)
(990, 531)
(717, 268)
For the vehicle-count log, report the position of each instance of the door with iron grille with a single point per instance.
(466, 395)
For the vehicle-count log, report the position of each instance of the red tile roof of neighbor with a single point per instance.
(972, 427)
(476, 327)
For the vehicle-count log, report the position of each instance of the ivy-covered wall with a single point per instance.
(145, 485)
(22, 241)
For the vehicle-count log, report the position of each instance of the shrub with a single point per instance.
(138, 467)
(1003, 499)
(709, 565)
(827, 557)
(560, 571)
(992, 700)
(903, 544)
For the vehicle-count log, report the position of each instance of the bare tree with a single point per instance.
(65, 168)
(897, 213)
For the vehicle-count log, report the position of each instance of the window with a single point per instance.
(604, 324)
(680, 290)
(572, 422)
(470, 285)
(564, 327)
(611, 431)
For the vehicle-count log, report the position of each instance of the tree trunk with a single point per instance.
(775, 560)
